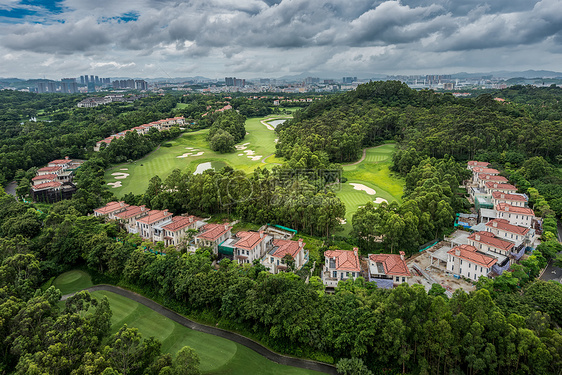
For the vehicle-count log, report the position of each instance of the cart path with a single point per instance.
(242, 340)
(364, 155)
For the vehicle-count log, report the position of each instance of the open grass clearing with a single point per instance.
(259, 142)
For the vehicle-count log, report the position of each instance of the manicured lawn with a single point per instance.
(217, 355)
(162, 161)
(374, 173)
(72, 281)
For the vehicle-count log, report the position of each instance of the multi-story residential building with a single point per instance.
(248, 246)
(519, 235)
(472, 164)
(519, 200)
(340, 265)
(145, 224)
(483, 178)
(41, 179)
(487, 242)
(111, 209)
(54, 182)
(469, 262)
(128, 217)
(49, 170)
(491, 186)
(172, 233)
(477, 171)
(211, 235)
(522, 216)
(275, 258)
(391, 267)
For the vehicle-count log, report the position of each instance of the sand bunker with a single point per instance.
(114, 184)
(189, 148)
(199, 153)
(184, 155)
(342, 221)
(124, 169)
(380, 200)
(366, 189)
(267, 125)
(254, 158)
(120, 175)
(250, 152)
(276, 140)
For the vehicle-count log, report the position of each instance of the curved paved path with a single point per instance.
(255, 346)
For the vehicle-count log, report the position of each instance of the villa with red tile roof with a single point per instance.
(173, 232)
(519, 235)
(522, 216)
(49, 170)
(340, 265)
(492, 186)
(53, 182)
(473, 163)
(145, 224)
(388, 266)
(477, 171)
(483, 178)
(519, 200)
(281, 248)
(111, 209)
(469, 262)
(128, 217)
(248, 246)
(487, 242)
(211, 235)
(43, 178)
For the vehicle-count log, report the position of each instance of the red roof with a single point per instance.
(49, 169)
(471, 254)
(491, 240)
(60, 161)
(393, 264)
(345, 260)
(504, 207)
(485, 170)
(474, 163)
(490, 177)
(500, 186)
(180, 222)
(287, 247)
(111, 207)
(131, 211)
(504, 225)
(154, 216)
(45, 177)
(249, 240)
(47, 185)
(509, 197)
(212, 232)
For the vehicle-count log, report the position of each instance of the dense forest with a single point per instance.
(227, 128)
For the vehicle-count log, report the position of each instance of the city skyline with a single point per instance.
(253, 39)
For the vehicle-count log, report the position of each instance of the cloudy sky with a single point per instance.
(274, 38)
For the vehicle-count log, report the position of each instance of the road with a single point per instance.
(11, 188)
(255, 346)
(552, 272)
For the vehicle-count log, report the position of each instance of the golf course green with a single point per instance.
(191, 149)
(369, 181)
(217, 355)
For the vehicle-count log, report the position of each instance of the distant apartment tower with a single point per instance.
(82, 82)
(349, 79)
(229, 81)
(141, 84)
(311, 80)
(448, 86)
(69, 86)
(41, 87)
(52, 86)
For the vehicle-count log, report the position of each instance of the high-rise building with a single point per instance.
(92, 79)
(69, 86)
(349, 79)
(82, 80)
(141, 85)
(86, 81)
(52, 86)
(97, 80)
(41, 87)
(91, 86)
(229, 81)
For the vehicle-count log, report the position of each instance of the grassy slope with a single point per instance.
(217, 355)
(162, 161)
(372, 172)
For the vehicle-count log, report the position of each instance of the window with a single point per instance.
(397, 279)
(469, 274)
(452, 267)
(403, 279)
(461, 262)
(468, 265)
(335, 273)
